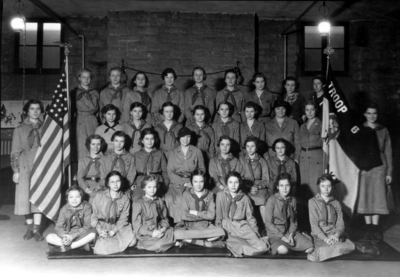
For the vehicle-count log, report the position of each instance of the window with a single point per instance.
(42, 55)
(314, 60)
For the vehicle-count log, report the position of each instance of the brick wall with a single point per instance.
(153, 41)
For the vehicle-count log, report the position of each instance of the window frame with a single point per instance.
(39, 49)
(324, 42)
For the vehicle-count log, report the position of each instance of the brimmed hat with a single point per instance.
(184, 132)
(281, 103)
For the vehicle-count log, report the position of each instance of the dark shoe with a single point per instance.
(52, 249)
(38, 236)
(29, 234)
(376, 233)
(368, 233)
(86, 247)
(367, 248)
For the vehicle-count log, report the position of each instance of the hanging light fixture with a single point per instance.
(324, 27)
(18, 22)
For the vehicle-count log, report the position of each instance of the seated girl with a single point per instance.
(198, 213)
(234, 213)
(88, 175)
(111, 115)
(223, 163)
(168, 129)
(224, 125)
(149, 219)
(280, 163)
(134, 127)
(281, 221)
(150, 160)
(110, 217)
(327, 226)
(73, 224)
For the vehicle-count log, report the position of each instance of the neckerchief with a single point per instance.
(110, 127)
(200, 130)
(199, 92)
(34, 133)
(136, 130)
(170, 130)
(325, 207)
(148, 162)
(156, 203)
(291, 99)
(228, 95)
(281, 164)
(144, 96)
(69, 221)
(225, 165)
(118, 93)
(111, 209)
(169, 92)
(231, 209)
(286, 209)
(200, 204)
(118, 158)
(96, 163)
(225, 126)
(249, 163)
(84, 92)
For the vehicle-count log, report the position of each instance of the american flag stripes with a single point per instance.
(54, 155)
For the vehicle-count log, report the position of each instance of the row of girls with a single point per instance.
(172, 153)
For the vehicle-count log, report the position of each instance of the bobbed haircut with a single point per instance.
(230, 71)
(371, 105)
(202, 69)
(118, 134)
(133, 84)
(224, 137)
(256, 107)
(103, 143)
(234, 174)
(148, 131)
(115, 69)
(321, 78)
(282, 140)
(283, 176)
(147, 179)
(252, 139)
(167, 104)
(28, 104)
(309, 103)
(82, 70)
(167, 71)
(111, 107)
(326, 177)
(230, 106)
(199, 107)
(137, 105)
(121, 178)
(74, 188)
(290, 78)
(258, 75)
(199, 172)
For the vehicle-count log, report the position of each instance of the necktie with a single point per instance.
(34, 133)
(325, 213)
(109, 127)
(199, 92)
(118, 158)
(97, 166)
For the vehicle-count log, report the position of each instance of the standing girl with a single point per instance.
(232, 94)
(118, 94)
(295, 99)
(252, 127)
(280, 163)
(168, 93)
(139, 84)
(198, 213)
(319, 83)
(262, 97)
(149, 219)
(235, 215)
(110, 217)
(223, 163)
(86, 102)
(372, 201)
(135, 126)
(327, 226)
(25, 143)
(168, 129)
(205, 137)
(150, 160)
(182, 161)
(311, 155)
(111, 115)
(72, 228)
(225, 125)
(281, 221)
(88, 175)
(199, 94)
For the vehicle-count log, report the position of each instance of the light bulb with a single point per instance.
(324, 28)
(18, 24)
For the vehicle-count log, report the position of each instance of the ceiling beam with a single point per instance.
(298, 18)
(343, 7)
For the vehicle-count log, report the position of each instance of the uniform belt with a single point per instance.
(96, 179)
(143, 174)
(310, 149)
(183, 175)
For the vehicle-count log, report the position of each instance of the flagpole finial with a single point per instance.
(65, 46)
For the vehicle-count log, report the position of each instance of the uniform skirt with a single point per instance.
(118, 243)
(173, 200)
(198, 231)
(301, 243)
(372, 192)
(242, 240)
(311, 168)
(259, 199)
(157, 244)
(323, 251)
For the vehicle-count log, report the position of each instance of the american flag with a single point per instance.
(53, 156)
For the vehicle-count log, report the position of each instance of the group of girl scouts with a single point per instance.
(174, 168)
